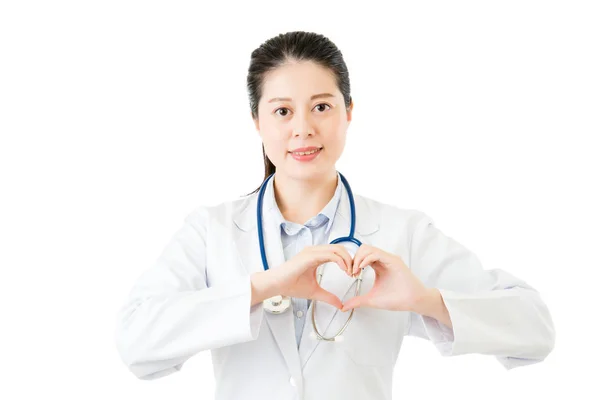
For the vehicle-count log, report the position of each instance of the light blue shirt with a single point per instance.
(295, 237)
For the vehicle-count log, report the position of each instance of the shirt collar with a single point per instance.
(328, 211)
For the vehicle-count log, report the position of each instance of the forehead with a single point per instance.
(298, 80)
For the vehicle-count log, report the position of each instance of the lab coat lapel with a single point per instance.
(247, 245)
(334, 279)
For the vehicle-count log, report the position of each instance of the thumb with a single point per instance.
(327, 297)
(355, 302)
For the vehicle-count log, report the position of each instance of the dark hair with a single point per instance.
(293, 46)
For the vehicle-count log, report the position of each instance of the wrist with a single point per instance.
(427, 303)
(431, 304)
(263, 286)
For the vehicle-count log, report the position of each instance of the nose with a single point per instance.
(303, 127)
(304, 133)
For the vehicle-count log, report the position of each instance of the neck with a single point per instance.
(301, 199)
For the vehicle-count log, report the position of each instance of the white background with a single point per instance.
(118, 118)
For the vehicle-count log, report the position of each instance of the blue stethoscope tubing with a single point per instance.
(259, 207)
(277, 300)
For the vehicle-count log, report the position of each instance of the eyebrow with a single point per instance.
(315, 96)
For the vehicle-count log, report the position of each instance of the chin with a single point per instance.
(308, 171)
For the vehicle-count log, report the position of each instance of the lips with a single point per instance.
(305, 149)
(307, 155)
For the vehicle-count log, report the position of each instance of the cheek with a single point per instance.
(337, 144)
(275, 145)
(336, 127)
(336, 135)
(274, 139)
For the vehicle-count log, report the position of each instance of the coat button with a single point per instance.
(292, 382)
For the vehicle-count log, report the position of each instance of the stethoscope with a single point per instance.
(279, 304)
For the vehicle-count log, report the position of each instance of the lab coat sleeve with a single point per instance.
(492, 311)
(171, 314)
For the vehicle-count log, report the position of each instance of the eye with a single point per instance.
(323, 104)
(280, 114)
(287, 110)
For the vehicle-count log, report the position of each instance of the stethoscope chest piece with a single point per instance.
(277, 304)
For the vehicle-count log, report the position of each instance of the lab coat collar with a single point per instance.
(366, 223)
(328, 211)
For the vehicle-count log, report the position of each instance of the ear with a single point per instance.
(256, 125)
(349, 111)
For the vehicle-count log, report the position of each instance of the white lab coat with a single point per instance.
(197, 297)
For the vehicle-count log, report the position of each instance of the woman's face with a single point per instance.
(301, 107)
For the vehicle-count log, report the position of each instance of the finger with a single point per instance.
(328, 297)
(339, 260)
(355, 302)
(359, 259)
(343, 252)
(368, 260)
(326, 255)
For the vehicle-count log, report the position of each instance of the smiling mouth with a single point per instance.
(305, 153)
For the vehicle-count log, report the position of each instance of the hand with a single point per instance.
(297, 277)
(395, 287)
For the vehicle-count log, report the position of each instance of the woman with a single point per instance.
(210, 288)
